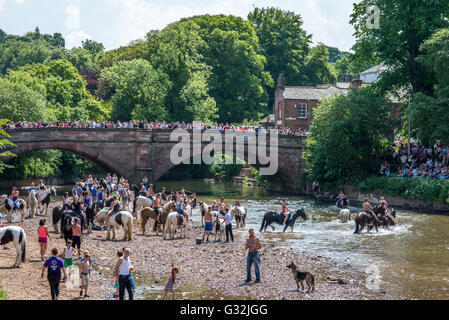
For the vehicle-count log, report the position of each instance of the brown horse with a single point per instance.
(150, 213)
(385, 220)
(363, 219)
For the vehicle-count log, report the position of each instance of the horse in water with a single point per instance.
(8, 203)
(384, 219)
(344, 215)
(364, 219)
(17, 236)
(239, 213)
(274, 217)
(46, 198)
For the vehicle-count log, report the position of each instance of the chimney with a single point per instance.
(281, 82)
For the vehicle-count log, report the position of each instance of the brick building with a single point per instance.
(294, 105)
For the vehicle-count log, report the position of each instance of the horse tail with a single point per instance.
(357, 225)
(23, 239)
(130, 228)
(134, 205)
(264, 221)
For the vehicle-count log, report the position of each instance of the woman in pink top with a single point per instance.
(43, 237)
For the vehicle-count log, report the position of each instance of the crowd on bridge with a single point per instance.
(424, 161)
(156, 125)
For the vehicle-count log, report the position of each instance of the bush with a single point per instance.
(424, 189)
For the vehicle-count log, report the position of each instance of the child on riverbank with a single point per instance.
(84, 267)
(171, 282)
(68, 258)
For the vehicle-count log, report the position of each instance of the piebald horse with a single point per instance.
(239, 213)
(46, 198)
(344, 215)
(8, 203)
(17, 236)
(121, 219)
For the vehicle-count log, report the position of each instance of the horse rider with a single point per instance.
(368, 209)
(143, 190)
(42, 188)
(345, 203)
(383, 203)
(285, 211)
(113, 209)
(15, 197)
(65, 201)
(32, 188)
(157, 207)
(340, 200)
(181, 209)
(76, 206)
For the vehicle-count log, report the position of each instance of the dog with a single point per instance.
(301, 277)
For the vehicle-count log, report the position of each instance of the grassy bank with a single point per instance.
(424, 189)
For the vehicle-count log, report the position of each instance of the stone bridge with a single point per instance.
(135, 153)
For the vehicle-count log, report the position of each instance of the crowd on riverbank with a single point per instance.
(156, 125)
(424, 161)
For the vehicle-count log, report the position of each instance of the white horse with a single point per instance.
(140, 203)
(203, 209)
(219, 227)
(124, 196)
(8, 203)
(46, 198)
(344, 215)
(32, 203)
(174, 220)
(239, 213)
(121, 219)
(17, 236)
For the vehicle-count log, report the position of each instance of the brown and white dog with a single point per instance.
(300, 277)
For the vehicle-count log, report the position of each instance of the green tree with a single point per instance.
(136, 90)
(92, 46)
(283, 42)
(175, 50)
(317, 69)
(347, 136)
(239, 80)
(14, 54)
(4, 143)
(404, 26)
(430, 113)
(137, 49)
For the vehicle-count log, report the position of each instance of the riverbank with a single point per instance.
(208, 271)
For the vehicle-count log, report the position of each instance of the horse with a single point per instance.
(139, 203)
(46, 198)
(384, 220)
(239, 213)
(148, 213)
(8, 203)
(56, 217)
(219, 227)
(67, 217)
(91, 212)
(124, 197)
(32, 203)
(17, 236)
(175, 219)
(121, 219)
(364, 219)
(344, 215)
(274, 217)
(203, 209)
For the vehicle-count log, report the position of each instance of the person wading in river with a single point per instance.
(207, 224)
(369, 210)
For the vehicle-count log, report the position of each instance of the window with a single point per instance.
(302, 110)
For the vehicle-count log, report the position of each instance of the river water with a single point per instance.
(412, 258)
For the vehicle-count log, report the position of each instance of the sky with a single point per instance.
(117, 22)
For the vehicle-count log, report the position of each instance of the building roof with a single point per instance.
(313, 93)
(376, 69)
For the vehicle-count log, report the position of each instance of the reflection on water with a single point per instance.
(412, 258)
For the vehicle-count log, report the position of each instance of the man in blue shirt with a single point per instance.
(94, 193)
(54, 264)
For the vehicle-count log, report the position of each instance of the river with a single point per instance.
(412, 258)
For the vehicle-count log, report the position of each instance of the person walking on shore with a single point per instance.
(84, 274)
(253, 246)
(122, 274)
(43, 237)
(54, 264)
